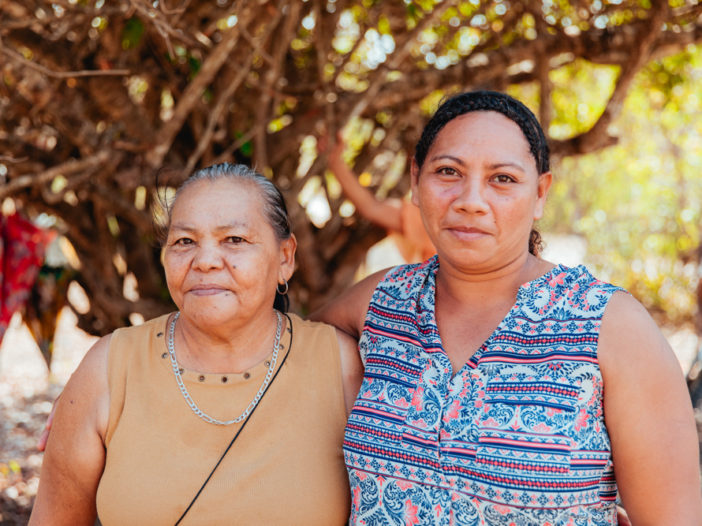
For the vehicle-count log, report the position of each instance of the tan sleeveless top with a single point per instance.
(286, 467)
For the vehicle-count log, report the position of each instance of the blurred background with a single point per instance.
(106, 106)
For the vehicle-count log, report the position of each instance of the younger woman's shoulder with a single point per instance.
(582, 290)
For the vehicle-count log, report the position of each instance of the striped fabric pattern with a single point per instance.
(517, 436)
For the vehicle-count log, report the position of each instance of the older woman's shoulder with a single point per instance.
(155, 327)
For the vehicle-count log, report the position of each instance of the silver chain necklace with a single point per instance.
(184, 391)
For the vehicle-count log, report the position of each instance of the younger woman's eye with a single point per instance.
(504, 178)
(447, 170)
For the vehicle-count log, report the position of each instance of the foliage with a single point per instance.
(101, 102)
(638, 203)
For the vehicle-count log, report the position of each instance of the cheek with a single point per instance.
(432, 200)
(253, 270)
(517, 211)
(175, 267)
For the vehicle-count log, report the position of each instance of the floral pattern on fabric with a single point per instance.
(517, 436)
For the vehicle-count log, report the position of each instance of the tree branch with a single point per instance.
(17, 57)
(378, 79)
(66, 169)
(282, 42)
(192, 94)
(597, 137)
(226, 96)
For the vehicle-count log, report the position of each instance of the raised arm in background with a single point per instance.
(386, 213)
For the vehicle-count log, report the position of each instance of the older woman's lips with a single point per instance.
(207, 290)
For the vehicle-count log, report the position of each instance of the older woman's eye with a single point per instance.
(183, 241)
(235, 239)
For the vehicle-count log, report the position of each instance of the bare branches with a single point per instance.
(67, 169)
(194, 91)
(597, 137)
(217, 112)
(17, 57)
(400, 55)
(270, 79)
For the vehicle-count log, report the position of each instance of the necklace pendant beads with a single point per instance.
(186, 395)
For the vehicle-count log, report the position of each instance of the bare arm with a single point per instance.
(75, 455)
(347, 312)
(649, 417)
(351, 368)
(386, 214)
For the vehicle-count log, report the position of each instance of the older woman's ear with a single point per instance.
(287, 257)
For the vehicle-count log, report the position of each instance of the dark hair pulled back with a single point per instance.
(484, 100)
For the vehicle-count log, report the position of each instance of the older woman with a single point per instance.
(500, 388)
(226, 412)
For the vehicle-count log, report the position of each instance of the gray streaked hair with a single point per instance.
(273, 203)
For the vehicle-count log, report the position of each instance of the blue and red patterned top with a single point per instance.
(516, 436)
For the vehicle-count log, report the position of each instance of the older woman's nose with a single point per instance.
(208, 256)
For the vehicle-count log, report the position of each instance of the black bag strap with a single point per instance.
(241, 428)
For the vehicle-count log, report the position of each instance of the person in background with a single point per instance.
(500, 388)
(399, 217)
(228, 411)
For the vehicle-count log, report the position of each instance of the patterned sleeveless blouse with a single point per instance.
(516, 437)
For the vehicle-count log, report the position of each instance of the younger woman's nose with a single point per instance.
(471, 196)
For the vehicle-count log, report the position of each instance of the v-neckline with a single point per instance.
(472, 362)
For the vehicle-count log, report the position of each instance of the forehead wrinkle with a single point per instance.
(244, 225)
(226, 226)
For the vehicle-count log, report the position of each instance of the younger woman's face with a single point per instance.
(479, 192)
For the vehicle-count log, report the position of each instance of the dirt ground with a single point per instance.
(27, 392)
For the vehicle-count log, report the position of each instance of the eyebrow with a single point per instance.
(189, 228)
(494, 166)
(449, 157)
(507, 164)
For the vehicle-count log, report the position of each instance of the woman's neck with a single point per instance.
(493, 286)
(225, 349)
(470, 305)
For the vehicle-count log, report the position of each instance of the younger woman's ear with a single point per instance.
(545, 180)
(414, 178)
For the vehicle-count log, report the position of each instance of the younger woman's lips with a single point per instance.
(467, 233)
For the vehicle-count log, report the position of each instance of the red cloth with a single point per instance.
(21, 254)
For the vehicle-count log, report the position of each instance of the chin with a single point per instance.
(207, 314)
(467, 260)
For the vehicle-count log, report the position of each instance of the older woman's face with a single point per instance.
(222, 259)
(479, 192)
